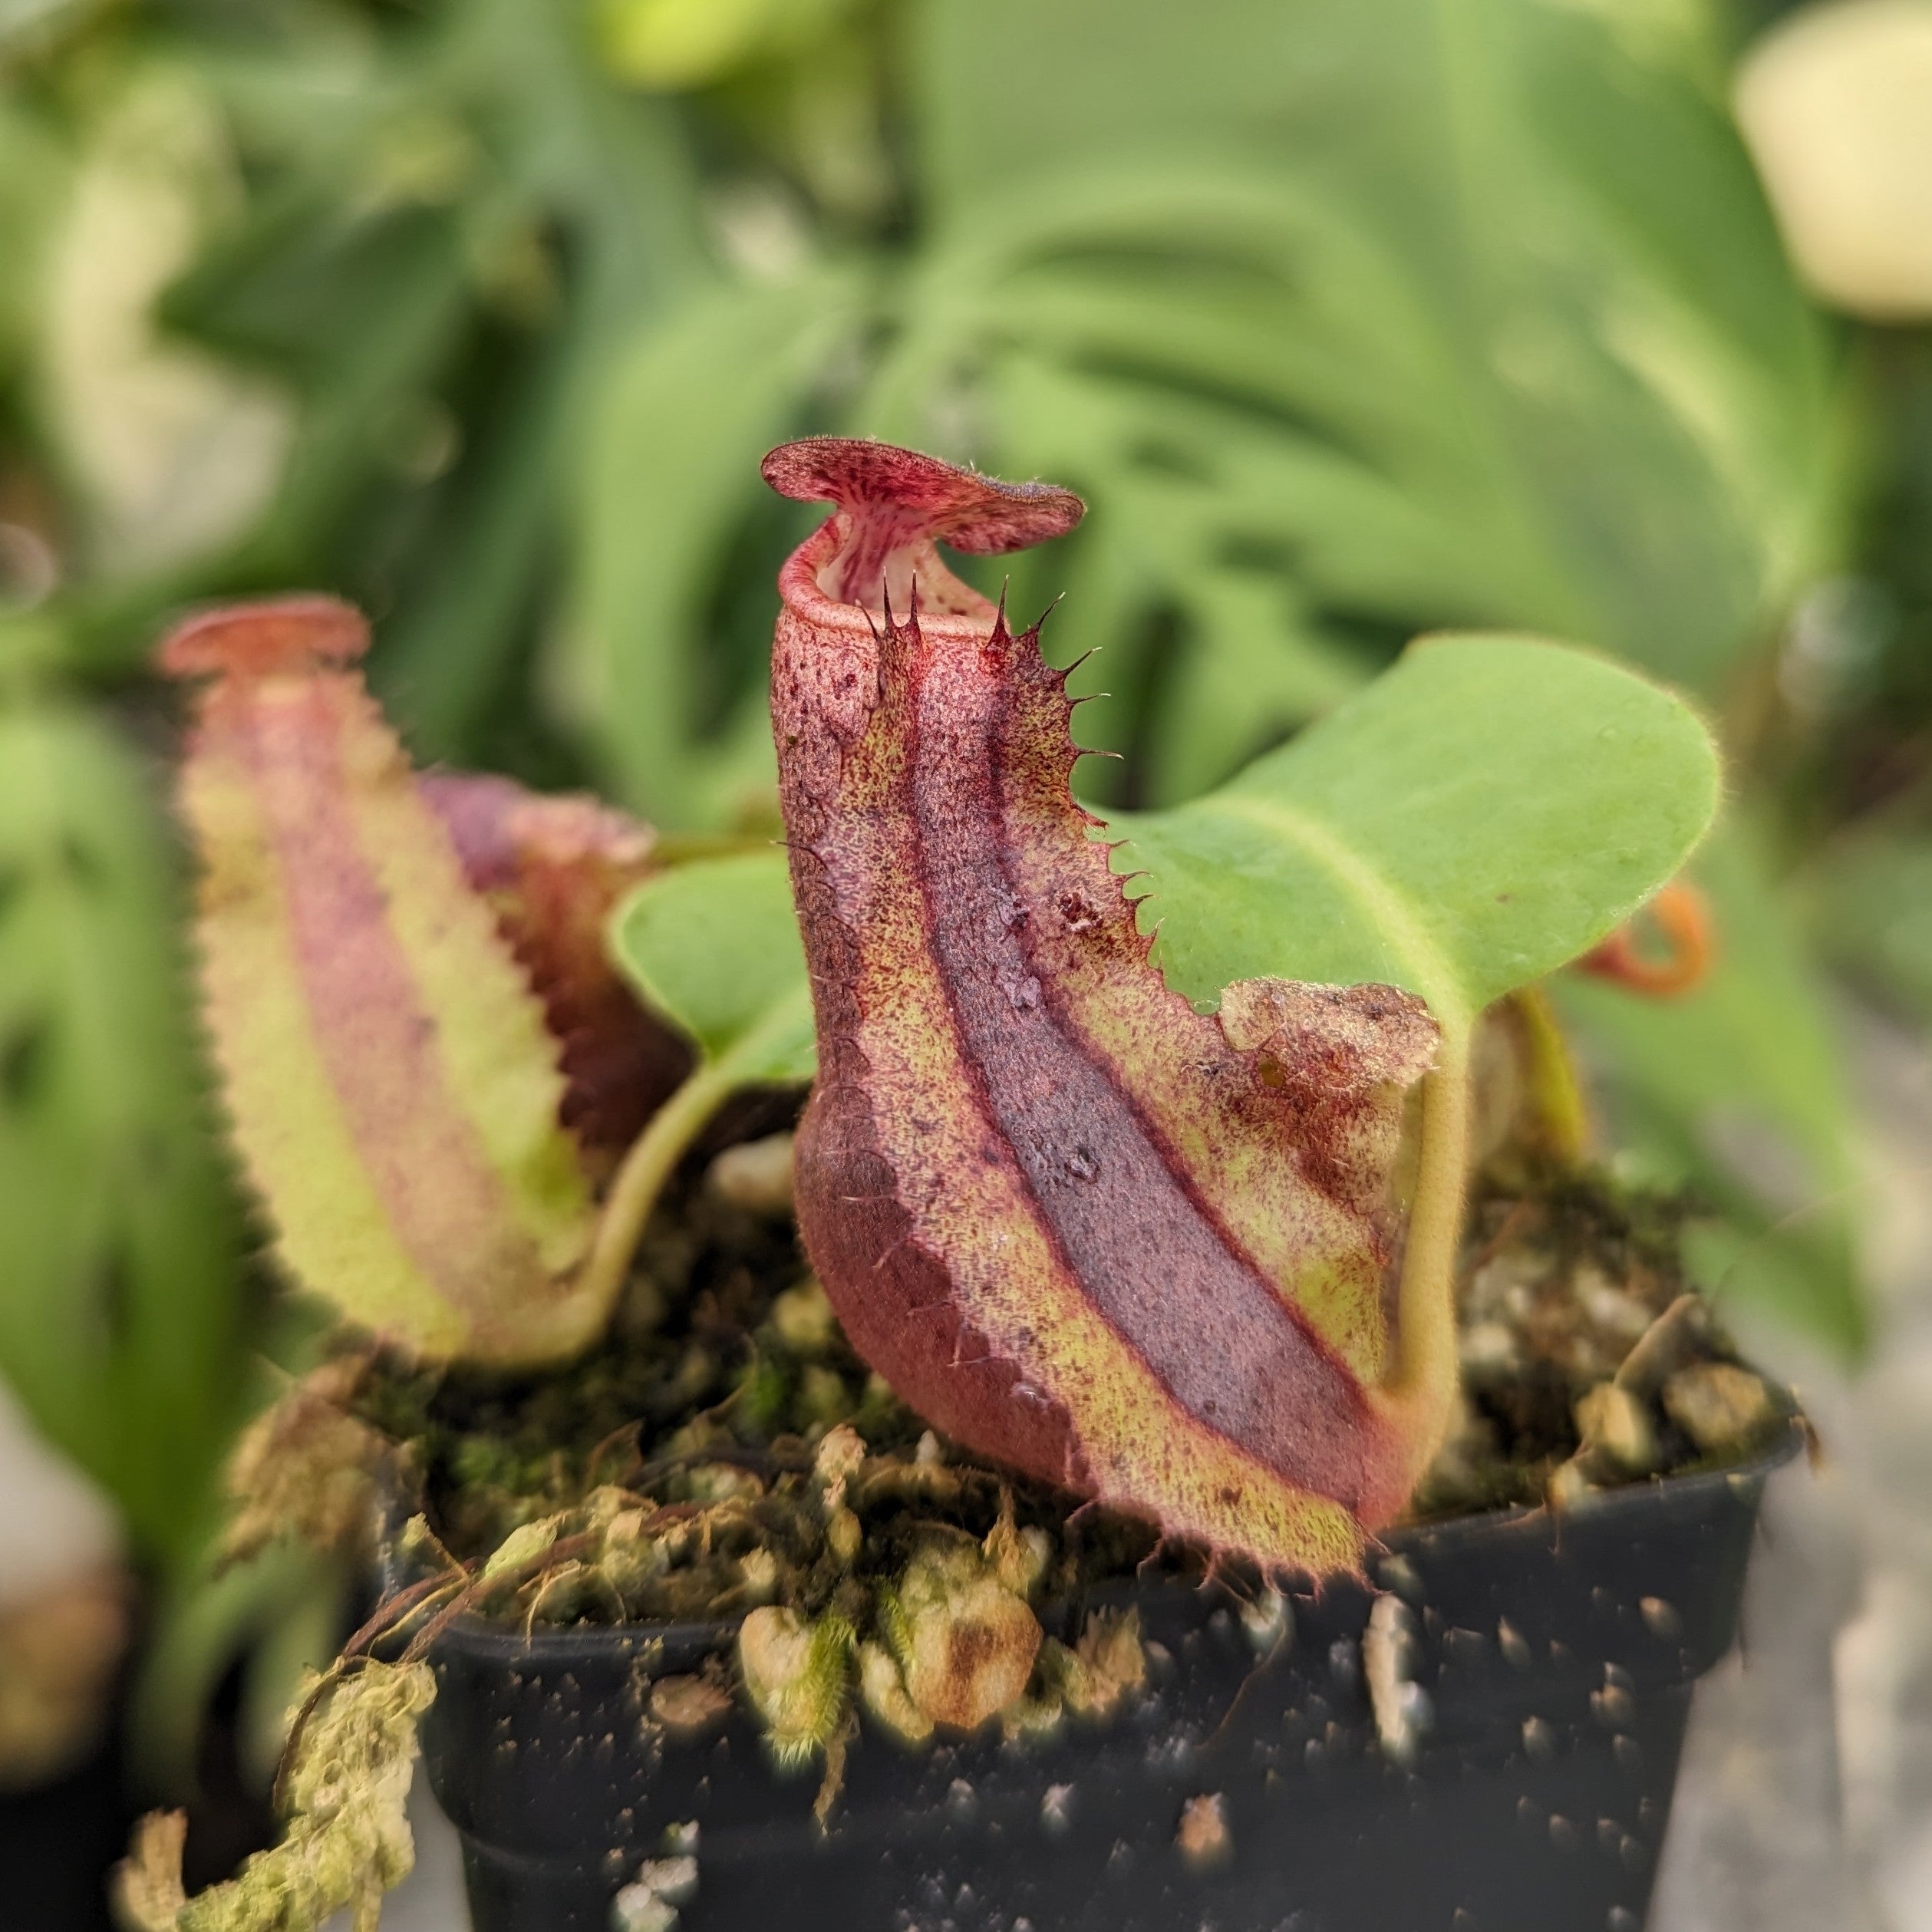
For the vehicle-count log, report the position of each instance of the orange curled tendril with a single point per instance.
(1681, 916)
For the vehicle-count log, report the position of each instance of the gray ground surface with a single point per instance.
(1806, 1800)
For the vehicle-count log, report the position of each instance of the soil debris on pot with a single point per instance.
(1572, 1295)
(1204, 1838)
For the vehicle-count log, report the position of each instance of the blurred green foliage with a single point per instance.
(1350, 321)
(1351, 318)
(117, 1296)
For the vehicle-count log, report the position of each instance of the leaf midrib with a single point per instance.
(1430, 970)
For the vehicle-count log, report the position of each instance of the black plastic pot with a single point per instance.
(57, 1842)
(1557, 1656)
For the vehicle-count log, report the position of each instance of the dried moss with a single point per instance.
(346, 1840)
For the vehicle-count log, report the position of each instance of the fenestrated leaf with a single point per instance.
(1472, 316)
(1486, 811)
(1353, 322)
(714, 946)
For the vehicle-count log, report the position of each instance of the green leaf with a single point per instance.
(449, 219)
(361, 314)
(207, 1618)
(452, 659)
(121, 1294)
(1736, 1089)
(714, 946)
(1485, 811)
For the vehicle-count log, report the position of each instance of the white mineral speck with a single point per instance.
(1401, 1705)
(1057, 1809)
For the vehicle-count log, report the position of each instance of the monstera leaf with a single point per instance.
(1352, 320)
(1409, 313)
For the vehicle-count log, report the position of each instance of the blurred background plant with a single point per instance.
(1351, 317)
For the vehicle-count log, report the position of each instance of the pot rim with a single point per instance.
(692, 1638)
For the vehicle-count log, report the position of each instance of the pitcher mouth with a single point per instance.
(894, 507)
